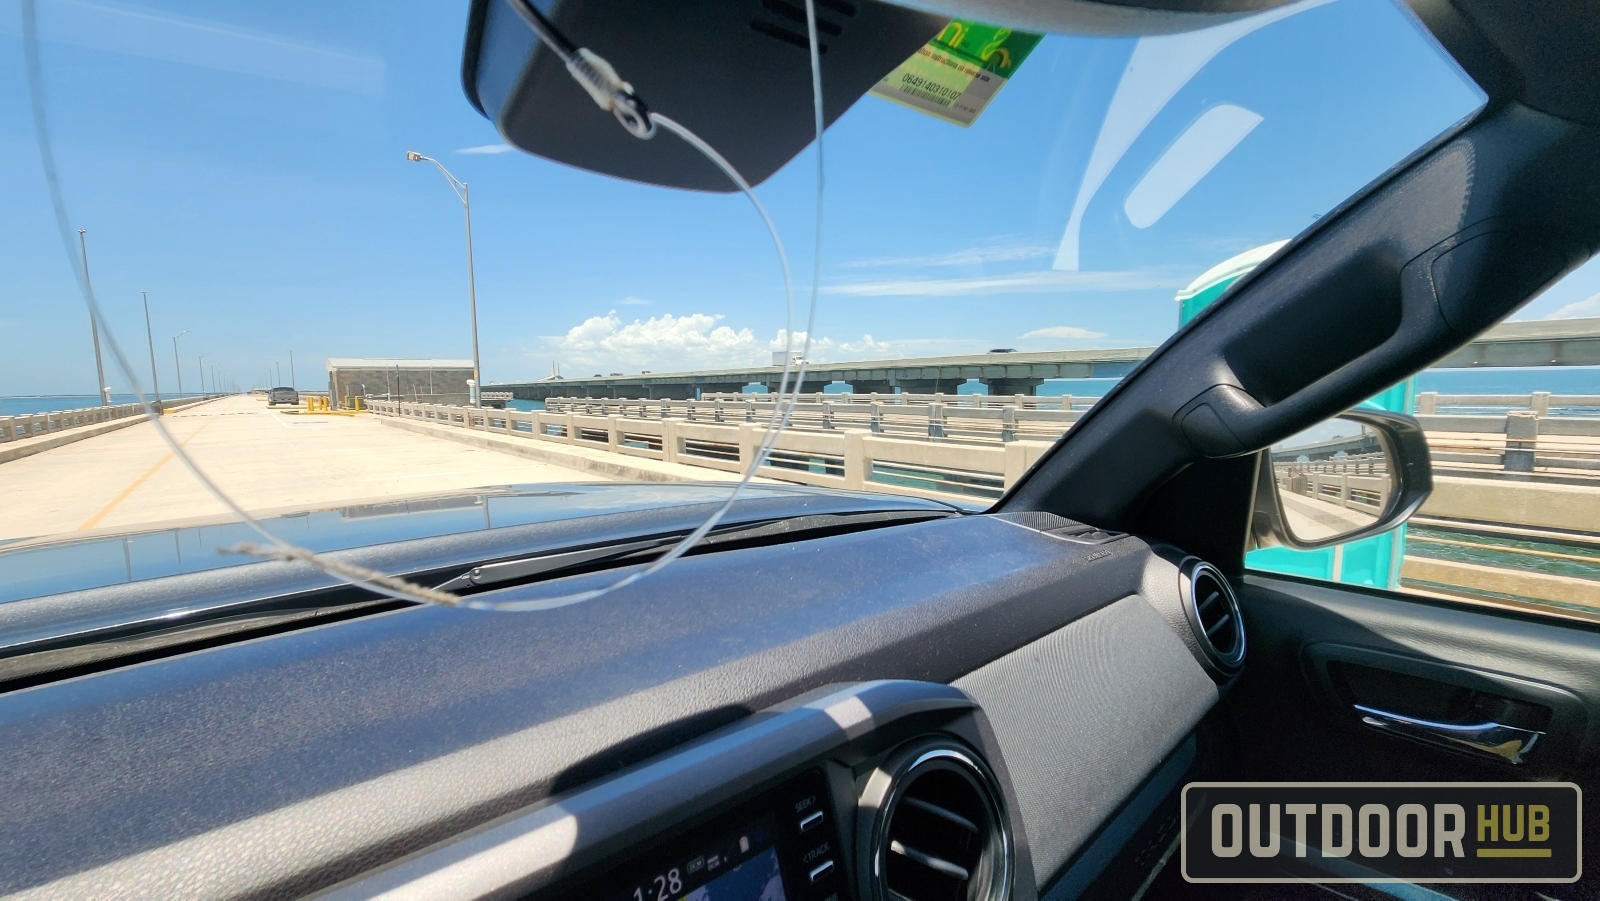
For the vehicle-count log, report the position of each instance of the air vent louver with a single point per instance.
(942, 835)
(1213, 614)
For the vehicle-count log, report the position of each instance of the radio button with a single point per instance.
(821, 871)
(810, 821)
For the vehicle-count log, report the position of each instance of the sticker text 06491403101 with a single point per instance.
(954, 76)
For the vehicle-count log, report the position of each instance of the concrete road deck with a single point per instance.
(266, 459)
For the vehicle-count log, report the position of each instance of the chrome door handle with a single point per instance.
(1510, 744)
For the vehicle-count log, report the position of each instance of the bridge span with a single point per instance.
(1561, 342)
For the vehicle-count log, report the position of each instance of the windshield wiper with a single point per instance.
(504, 573)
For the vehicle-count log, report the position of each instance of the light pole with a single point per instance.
(175, 364)
(460, 187)
(292, 383)
(279, 370)
(149, 339)
(202, 375)
(94, 327)
(214, 389)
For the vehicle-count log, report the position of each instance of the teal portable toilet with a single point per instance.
(1372, 561)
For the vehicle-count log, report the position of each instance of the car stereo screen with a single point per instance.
(757, 879)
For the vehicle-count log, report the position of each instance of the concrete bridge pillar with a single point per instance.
(1013, 386)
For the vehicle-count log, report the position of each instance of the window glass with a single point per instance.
(1513, 426)
(235, 176)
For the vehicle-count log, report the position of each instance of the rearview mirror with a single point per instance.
(736, 72)
(1359, 474)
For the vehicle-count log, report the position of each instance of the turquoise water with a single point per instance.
(51, 403)
(525, 405)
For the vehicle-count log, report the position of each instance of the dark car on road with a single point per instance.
(283, 396)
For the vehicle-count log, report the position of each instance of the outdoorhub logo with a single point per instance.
(1382, 832)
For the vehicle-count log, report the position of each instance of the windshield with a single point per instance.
(238, 189)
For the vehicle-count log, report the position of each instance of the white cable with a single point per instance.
(781, 412)
(389, 586)
(398, 588)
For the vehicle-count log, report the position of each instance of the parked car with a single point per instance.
(283, 396)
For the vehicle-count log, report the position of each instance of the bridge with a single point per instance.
(1561, 342)
(1528, 463)
(1003, 373)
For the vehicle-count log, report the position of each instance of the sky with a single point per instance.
(244, 164)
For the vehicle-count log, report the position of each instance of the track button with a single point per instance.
(821, 871)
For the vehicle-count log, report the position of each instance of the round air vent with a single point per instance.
(1213, 614)
(940, 833)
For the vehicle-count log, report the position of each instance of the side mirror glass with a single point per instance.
(1359, 474)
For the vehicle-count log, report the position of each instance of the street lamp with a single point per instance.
(202, 375)
(94, 327)
(155, 383)
(175, 364)
(292, 383)
(460, 187)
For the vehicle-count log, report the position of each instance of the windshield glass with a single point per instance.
(238, 188)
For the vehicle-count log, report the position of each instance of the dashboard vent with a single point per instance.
(1213, 614)
(941, 835)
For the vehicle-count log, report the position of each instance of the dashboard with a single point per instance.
(965, 707)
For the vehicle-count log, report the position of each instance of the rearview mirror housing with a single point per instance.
(736, 72)
(1357, 475)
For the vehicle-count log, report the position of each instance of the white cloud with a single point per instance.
(660, 343)
(1063, 331)
(999, 253)
(631, 301)
(1580, 310)
(669, 343)
(1038, 282)
(826, 350)
(487, 149)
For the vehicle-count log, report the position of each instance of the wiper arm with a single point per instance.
(529, 567)
(770, 531)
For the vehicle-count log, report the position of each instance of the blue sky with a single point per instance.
(244, 164)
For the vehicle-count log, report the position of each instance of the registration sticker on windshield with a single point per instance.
(954, 76)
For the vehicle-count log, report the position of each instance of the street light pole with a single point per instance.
(94, 327)
(292, 383)
(462, 194)
(276, 367)
(175, 364)
(149, 339)
(202, 375)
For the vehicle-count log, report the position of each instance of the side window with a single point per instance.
(1512, 423)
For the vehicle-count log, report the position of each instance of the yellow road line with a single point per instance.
(95, 519)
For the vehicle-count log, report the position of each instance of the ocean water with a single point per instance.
(52, 403)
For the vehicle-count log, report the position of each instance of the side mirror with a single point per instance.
(1359, 474)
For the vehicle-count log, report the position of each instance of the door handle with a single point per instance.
(1505, 743)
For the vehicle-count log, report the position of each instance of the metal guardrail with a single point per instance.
(849, 458)
(34, 425)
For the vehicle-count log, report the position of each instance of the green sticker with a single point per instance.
(954, 76)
